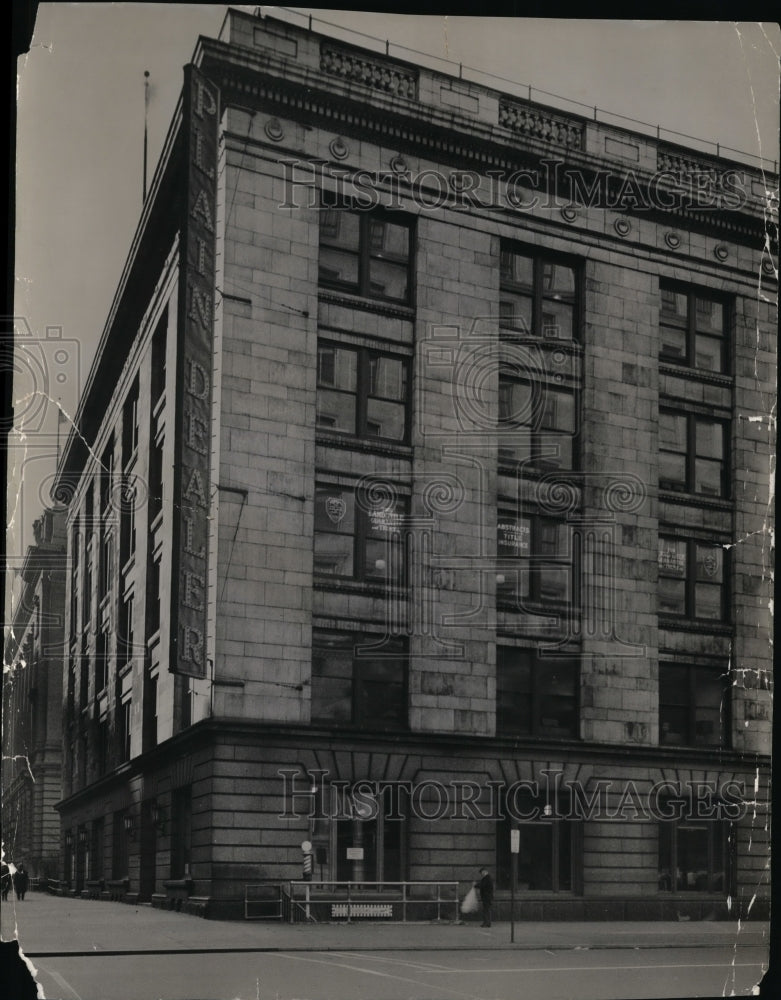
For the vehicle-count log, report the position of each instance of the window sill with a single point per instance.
(695, 500)
(534, 472)
(705, 626)
(678, 370)
(349, 442)
(511, 335)
(385, 307)
(549, 609)
(358, 587)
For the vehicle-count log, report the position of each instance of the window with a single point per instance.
(544, 420)
(106, 563)
(692, 454)
(693, 856)
(130, 425)
(362, 392)
(86, 597)
(101, 660)
(74, 608)
(537, 296)
(535, 695)
(106, 474)
(120, 855)
(127, 521)
(692, 577)
(355, 684)
(97, 848)
(84, 662)
(358, 539)
(103, 746)
(71, 690)
(367, 253)
(381, 836)
(125, 632)
(158, 358)
(549, 851)
(153, 597)
(155, 498)
(693, 705)
(124, 729)
(693, 329)
(534, 563)
(181, 832)
(89, 514)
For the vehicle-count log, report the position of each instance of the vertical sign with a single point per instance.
(195, 343)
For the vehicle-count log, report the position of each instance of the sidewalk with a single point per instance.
(55, 925)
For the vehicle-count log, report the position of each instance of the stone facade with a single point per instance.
(369, 394)
(32, 705)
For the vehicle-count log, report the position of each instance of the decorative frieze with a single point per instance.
(538, 124)
(377, 74)
(711, 178)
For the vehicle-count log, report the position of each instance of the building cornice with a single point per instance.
(523, 143)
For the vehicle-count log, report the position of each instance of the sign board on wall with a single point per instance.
(195, 345)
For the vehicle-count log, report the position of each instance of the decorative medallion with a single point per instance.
(721, 252)
(398, 165)
(569, 214)
(769, 267)
(274, 129)
(673, 240)
(622, 226)
(338, 148)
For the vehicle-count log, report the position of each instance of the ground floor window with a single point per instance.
(550, 853)
(362, 838)
(695, 856)
(97, 849)
(120, 862)
(181, 832)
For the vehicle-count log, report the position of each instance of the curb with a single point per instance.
(241, 950)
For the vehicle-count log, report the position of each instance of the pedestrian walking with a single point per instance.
(20, 882)
(5, 875)
(485, 889)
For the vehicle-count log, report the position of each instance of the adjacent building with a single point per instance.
(32, 704)
(422, 494)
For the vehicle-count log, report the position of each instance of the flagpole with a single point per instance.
(146, 108)
(59, 421)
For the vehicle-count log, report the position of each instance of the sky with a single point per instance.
(81, 125)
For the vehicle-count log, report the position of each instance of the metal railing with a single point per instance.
(395, 902)
(513, 87)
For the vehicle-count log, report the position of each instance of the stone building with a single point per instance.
(422, 494)
(32, 704)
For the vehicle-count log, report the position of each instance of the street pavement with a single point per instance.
(54, 925)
